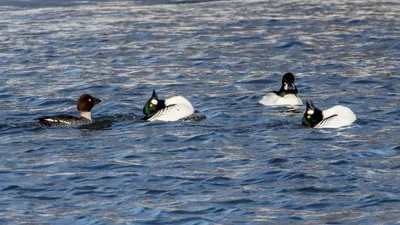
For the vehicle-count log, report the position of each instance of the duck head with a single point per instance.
(312, 116)
(86, 102)
(288, 84)
(153, 105)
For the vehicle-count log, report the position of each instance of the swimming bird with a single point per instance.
(85, 104)
(170, 109)
(335, 117)
(287, 95)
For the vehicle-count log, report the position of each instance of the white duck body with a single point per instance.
(336, 117)
(175, 109)
(271, 99)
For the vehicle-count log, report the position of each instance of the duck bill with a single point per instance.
(289, 87)
(97, 100)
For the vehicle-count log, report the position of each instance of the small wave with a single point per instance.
(195, 117)
(319, 139)
(356, 22)
(313, 189)
(155, 192)
(291, 44)
(175, 2)
(277, 161)
(97, 125)
(11, 187)
(184, 149)
(297, 176)
(199, 137)
(367, 81)
(236, 201)
(120, 117)
(313, 206)
(372, 201)
(341, 162)
(218, 180)
(190, 220)
(109, 167)
(195, 211)
(42, 198)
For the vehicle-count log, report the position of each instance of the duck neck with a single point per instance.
(282, 92)
(86, 115)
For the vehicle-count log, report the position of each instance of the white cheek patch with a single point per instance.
(310, 112)
(154, 102)
(286, 87)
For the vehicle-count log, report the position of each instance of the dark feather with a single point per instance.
(326, 120)
(161, 111)
(57, 120)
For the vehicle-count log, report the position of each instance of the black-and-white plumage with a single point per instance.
(287, 95)
(170, 109)
(85, 104)
(335, 117)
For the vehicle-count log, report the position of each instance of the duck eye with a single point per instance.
(151, 105)
(284, 83)
(90, 99)
(308, 116)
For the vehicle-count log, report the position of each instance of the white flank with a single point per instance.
(176, 108)
(344, 117)
(272, 99)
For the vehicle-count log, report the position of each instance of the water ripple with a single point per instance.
(236, 161)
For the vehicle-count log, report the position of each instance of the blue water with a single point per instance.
(245, 163)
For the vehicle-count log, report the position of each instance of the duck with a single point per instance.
(335, 117)
(85, 104)
(287, 95)
(170, 109)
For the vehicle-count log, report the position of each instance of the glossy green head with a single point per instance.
(152, 105)
(312, 116)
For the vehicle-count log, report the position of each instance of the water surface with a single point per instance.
(245, 163)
